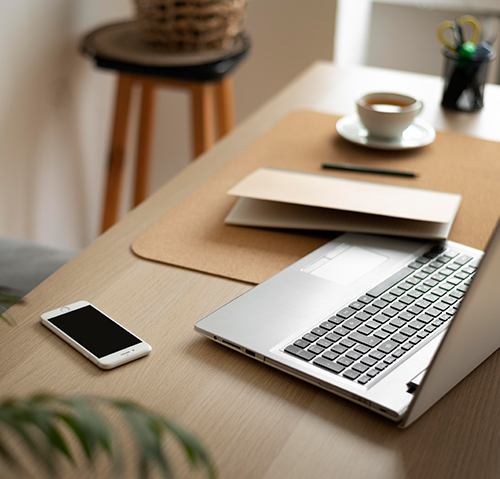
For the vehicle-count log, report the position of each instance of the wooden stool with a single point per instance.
(205, 74)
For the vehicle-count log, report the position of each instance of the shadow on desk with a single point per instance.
(458, 438)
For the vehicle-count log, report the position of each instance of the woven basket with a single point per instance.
(190, 24)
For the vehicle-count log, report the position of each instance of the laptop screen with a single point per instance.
(473, 335)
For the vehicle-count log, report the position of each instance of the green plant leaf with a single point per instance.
(193, 448)
(45, 420)
(11, 416)
(147, 430)
(43, 415)
(6, 316)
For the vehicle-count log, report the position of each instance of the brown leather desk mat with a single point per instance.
(193, 234)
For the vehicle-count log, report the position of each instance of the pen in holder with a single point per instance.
(464, 80)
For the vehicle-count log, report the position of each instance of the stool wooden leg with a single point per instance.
(116, 163)
(146, 129)
(203, 117)
(225, 106)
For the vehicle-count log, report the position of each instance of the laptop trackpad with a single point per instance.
(346, 267)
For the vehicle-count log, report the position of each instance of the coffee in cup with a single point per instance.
(387, 115)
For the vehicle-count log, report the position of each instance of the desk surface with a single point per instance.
(256, 422)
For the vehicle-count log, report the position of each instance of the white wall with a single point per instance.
(401, 34)
(56, 108)
(404, 36)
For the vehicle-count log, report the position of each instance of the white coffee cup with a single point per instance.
(387, 115)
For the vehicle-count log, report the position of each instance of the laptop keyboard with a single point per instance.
(368, 336)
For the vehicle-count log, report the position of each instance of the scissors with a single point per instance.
(464, 48)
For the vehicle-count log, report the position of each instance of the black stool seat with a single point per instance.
(119, 47)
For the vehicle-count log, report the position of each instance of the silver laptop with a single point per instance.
(391, 324)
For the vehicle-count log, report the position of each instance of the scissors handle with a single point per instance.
(443, 26)
(476, 28)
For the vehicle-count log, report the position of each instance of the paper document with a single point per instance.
(286, 199)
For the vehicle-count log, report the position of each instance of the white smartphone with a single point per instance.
(95, 335)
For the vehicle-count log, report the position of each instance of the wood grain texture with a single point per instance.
(256, 422)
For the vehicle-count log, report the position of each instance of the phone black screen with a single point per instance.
(94, 331)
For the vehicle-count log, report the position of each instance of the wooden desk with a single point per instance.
(255, 421)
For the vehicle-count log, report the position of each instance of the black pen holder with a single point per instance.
(464, 81)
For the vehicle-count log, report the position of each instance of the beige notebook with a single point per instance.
(288, 199)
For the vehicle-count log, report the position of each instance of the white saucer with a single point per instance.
(419, 133)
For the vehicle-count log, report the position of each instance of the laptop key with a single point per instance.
(315, 349)
(389, 297)
(397, 291)
(425, 318)
(365, 299)
(398, 353)
(435, 251)
(443, 305)
(461, 260)
(431, 298)
(361, 349)
(377, 354)
(417, 325)
(363, 380)
(422, 303)
(300, 343)
(389, 282)
(398, 323)
(346, 312)
(326, 325)
(371, 325)
(333, 337)
(390, 328)
(335, 320)
(300, 353)
(370, 341)
(350, 374)
(369, 361)
(365, 330)
(347, 343)
(339, 349)
(398, 306)
(310, 337)
(388, 347)
(324, 343)
(362, 316)
(450, 253)
(356, 305)
(351, 323)
(354, 355)
(360, 368)
(318, 331)
(330, 365)
(341, 331)
(415, 309)
(380, 303)
(345, 361)
(381, 334)
(422, 260)
(406, 331)
(330, 355)
(381, 318)
(406, 316)
(391, 312)
(398, 338)
(371, 310)
(423, 288)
